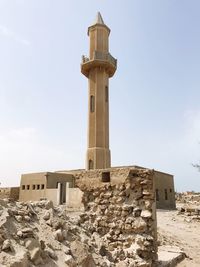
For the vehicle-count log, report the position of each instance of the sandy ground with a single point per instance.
(175, 230)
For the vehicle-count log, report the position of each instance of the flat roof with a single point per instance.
(115, 167)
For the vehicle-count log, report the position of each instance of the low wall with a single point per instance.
(121, 214)
(9, 192)
(74, 198)
(53, 194)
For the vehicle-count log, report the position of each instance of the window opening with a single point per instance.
(166, 196)
(92, 104)
(105, 177)
(106, 93)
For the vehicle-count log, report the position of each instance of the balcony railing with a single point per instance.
(100, 56)
(85, 59)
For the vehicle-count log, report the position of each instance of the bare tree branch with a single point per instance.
(196, 166)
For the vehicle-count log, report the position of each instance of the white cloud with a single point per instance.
(4, 31)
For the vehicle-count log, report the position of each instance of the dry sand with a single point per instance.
(178, 230)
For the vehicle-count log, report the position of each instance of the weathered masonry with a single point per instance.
(120, 210)
(9, 192)
(164, 183)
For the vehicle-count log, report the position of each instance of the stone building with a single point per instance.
(165, 191)
(60, 186)
(45, 185)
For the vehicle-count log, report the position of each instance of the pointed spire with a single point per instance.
(99, 22)
(98, 19)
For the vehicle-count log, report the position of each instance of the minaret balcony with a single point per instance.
(101, 60)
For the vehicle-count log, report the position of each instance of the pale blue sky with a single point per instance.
(154, 95)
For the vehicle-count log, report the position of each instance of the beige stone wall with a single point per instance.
(117, 174)
(9, 192)
(74, 198)
(4, 192)
(53, 195)
(54, 178)
(98, 68)
(165, 192)
(14, 193)
(35, 186)
(122, 212)
(32, 186)
(163, 181)
(98, 39)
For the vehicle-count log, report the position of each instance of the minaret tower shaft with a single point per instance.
(98, 68)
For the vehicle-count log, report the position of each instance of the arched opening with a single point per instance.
(90, 164)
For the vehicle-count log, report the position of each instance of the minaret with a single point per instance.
(98, 68)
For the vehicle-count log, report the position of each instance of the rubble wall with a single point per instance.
(122, 213)
(9, 192)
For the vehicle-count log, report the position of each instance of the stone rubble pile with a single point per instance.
(38, 234)
(191, 213)
(188, 204)
(189, 198)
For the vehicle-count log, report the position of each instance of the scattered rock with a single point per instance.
(46, 216)
(31, 243)
(35, 254)
(27, 218)
(58, 235)
(51, 253)
(70, 261)
(7, 246)
(146, 214)
(81, 254)
(18, 218)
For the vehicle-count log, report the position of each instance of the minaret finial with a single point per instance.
(98, 19)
